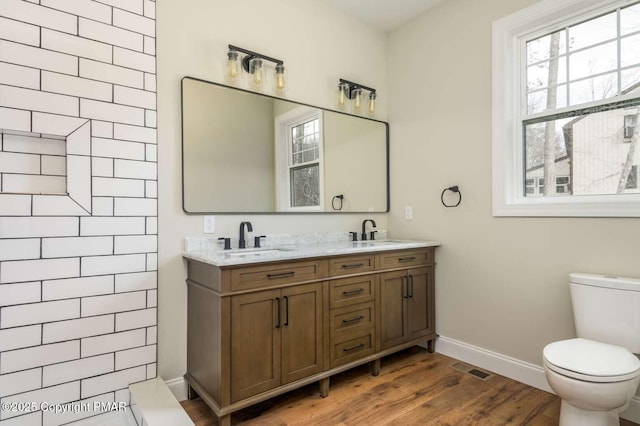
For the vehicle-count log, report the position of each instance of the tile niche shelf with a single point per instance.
(76, 133)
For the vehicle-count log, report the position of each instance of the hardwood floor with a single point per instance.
(414, 388)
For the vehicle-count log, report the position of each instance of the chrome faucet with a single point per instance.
(364, 230)
(241, 241)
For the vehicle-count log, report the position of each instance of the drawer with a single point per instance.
(405, 258)
(351, 321)
(350, 291)
(283, 273)
(351, 350)
(351, 265)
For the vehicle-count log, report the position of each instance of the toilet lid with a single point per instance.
(591, 358)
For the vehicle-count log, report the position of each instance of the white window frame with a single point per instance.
(541, 18)
(283, 125)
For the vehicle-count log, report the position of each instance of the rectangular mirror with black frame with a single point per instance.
(245, 152)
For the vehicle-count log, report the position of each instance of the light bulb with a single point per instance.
(256, 70)
(372, 102)
(356, 94)
(232, 65)
(281, 82)
(343, 90)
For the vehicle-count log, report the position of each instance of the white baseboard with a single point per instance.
(521, 371)
(633, 412)
(178, 388)
(524, 372)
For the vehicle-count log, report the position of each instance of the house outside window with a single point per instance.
(566, 80)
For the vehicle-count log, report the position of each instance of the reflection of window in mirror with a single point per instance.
(299, 147)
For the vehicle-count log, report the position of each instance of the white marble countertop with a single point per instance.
(219, 257)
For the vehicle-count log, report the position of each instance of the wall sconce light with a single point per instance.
(350, 91)
(253, 63)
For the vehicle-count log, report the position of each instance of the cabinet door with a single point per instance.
(420, 304)
(255, 343)
(393, 305)
(301, 332)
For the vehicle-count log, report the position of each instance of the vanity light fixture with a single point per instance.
(253, 63)
(350, 91)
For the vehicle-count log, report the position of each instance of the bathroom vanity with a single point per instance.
(264, 322)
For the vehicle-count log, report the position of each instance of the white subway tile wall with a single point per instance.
(78, 274)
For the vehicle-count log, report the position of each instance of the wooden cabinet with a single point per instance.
(256, 331)
(407, 308)
(352, 324)
(254, 318)
(276, 338)
(302, 340)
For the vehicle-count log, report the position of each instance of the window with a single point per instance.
(304, 165)
(299, 160)
(629, 125)
(530, 188)
(566, 96)
(562, 184)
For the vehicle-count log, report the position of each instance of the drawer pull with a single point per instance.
(360, 318)
(283, 275)
(406, 259)
(353, 348)
(410, 283)
(286, 311)
(352, 292)
(353, 266)
(405, 282)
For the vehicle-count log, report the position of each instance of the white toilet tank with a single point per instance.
(607, 309)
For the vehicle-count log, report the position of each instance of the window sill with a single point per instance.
(588, 206)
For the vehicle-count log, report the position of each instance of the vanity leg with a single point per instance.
(375, 367)
(324, 387)
(431, 346)
(191, 394)
(224, 420)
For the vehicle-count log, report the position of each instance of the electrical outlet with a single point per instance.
(408, 213)
(209, 224)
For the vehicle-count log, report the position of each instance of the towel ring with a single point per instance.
(454, 189)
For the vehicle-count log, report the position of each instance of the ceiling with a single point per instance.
(385, 15)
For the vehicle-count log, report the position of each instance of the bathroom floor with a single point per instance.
(414, 388)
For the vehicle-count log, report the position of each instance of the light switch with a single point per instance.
(408, 213)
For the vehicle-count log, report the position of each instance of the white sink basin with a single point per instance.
(253, 252)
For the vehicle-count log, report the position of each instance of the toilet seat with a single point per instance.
(591, 361)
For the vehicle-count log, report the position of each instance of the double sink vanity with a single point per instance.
(264, 321)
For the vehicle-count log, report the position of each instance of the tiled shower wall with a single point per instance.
(78, 280)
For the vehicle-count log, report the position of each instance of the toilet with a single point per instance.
(597, 373)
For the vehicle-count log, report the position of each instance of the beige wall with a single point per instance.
(224, 145)
(501, 282)
(318, 45)
(355, 153)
